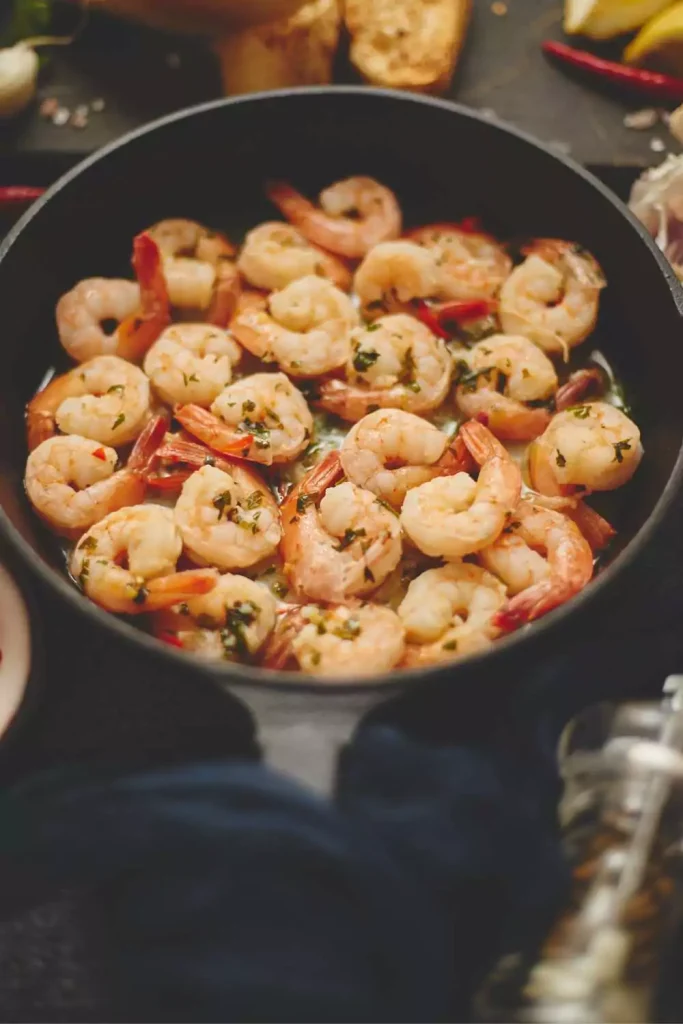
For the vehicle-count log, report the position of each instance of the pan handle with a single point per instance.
(301, 734)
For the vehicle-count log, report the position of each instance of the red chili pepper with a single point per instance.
(10, 194)
(100, 454)
(638, 80)
(172, 638)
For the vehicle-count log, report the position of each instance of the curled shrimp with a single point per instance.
(392, 275)
(230, 623)
(227, 517)
(106, 399)
(454, 516)
(448, 612)
(354, 215)
(84, 313)
(593, 446)
(394, 363)
(275, 254)
(544, 560)
(338, 640)
(191, 363)
(504, 381)
(73, 482)
(390, 451)
(126, 562)
(262, 418)
(198, 268)
(553, 297)
(338, 540)
(470, 264)
(306, 331)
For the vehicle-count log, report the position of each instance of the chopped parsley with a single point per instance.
(184, 609)
(302, 502)
(372, 327)
(280, 590)
(191, 379)
(348, 630)
(221, 501)
(582, 412)
(368, 575)
(514, 525)
(254, 500)
(118, 421)
(619, 448)
(116, 389)
(315, 658)
(141, 595)
(349, 537)
(450, 645)
(259, 430)
(364, 359)
(248, 406)
(560, 459)
(233, 635)
(89, 544)
(407, 374)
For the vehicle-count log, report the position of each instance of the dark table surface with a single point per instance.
(142, 75)
(97, 702)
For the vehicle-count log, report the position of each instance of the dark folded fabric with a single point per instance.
(227, 893)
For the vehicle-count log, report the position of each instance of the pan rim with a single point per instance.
(266, 679)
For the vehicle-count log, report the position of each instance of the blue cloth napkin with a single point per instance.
(224, 892)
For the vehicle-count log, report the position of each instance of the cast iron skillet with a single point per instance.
(444, 162)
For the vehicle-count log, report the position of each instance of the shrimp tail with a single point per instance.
(278, 651)
(481, 443)
(577, 387)
(39, 427)
(456, 458)
(138, 333)
(532, 604)
(208, 428)
(292, 205)
(145, 448)
(226, 295)
(598, 531)
(178, 586)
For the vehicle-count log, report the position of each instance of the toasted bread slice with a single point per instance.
(407, 44)
(298, 50)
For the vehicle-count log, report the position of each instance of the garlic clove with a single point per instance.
(18, 78)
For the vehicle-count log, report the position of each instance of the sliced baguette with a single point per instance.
(407, 44)
(298, 50)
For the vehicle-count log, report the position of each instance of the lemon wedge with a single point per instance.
(602, 19)
(660, 42)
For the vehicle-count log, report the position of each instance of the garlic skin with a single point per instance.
(18, 78)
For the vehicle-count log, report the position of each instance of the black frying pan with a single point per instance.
(210, 164)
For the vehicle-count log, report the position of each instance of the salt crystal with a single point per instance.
(61, 116)
(97, 106)
(657, 145)
(641, 120)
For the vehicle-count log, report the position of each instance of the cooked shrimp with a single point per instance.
(191, 363)
(553, 297)
(448, 612)
(471, 264)
(84, 312)
(501, 381)
(392, 275)
(72, 483)
(232, 622)
(262, 417)
(390, 451)
(593, 446)
(105, 399)
(126, 562)
(307, 332)
(354, 215)
(395, 363)
(338, 541)
(339, 640)
(275, 254)
(227, 518)
(543, 558)
(578, 386)
(454, 516)
(136, 334)
(197, 267)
